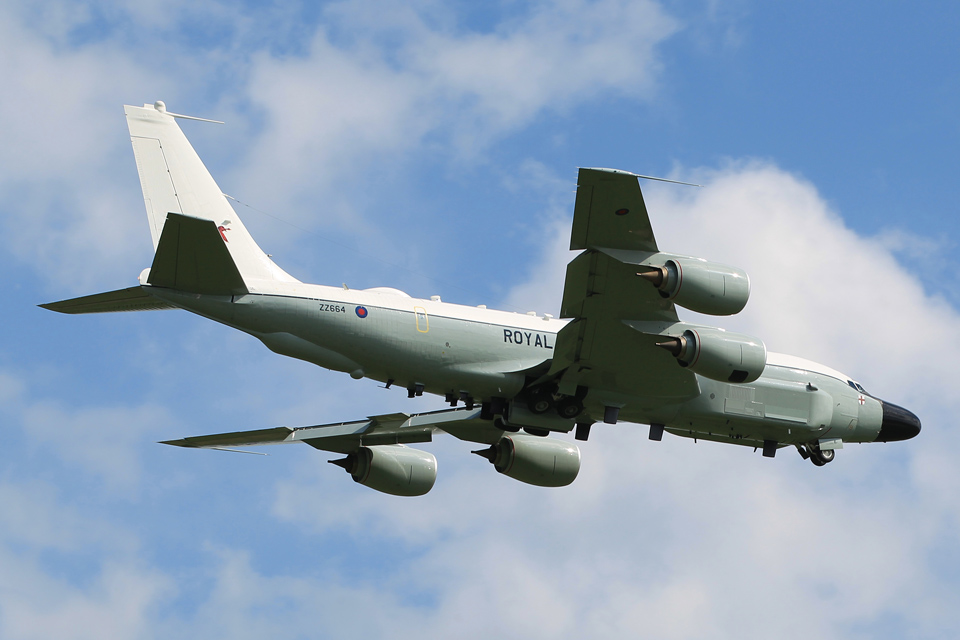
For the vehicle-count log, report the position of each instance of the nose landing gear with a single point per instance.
(815, 454)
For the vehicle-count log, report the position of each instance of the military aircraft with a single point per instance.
(618, 353)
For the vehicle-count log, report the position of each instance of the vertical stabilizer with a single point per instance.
(174, 180)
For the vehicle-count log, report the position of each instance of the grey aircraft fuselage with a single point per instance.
(445, 349)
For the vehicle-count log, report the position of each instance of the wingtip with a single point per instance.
(640, 175)
(177, 443)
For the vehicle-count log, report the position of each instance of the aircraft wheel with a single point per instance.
(569, 407)
(819, 456)
(540, 401)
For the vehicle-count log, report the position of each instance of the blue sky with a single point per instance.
(433, 147)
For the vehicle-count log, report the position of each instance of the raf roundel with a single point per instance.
(362, 312)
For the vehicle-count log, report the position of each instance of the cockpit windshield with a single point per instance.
(856, 385)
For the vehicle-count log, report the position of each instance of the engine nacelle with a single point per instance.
(718, 354)
(392, 468)
(701, 286)
(535, 460)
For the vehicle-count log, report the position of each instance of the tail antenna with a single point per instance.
(160, 106)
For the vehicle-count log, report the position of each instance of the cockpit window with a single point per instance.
(856, 385)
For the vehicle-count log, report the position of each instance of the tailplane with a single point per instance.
(132, 299)
(175, 181)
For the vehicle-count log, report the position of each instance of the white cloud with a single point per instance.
(66, 154)
(399, 84)
(42, 539)
(118, 603)
(102, 442)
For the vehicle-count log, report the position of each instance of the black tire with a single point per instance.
(820, 457)
(540, 402)
(569, 407)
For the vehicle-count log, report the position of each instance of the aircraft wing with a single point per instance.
(611, 344)
(348, 437)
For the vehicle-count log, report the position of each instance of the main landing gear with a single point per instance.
(542, 399)
(815, 454)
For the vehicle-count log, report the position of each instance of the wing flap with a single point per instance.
(132, 299)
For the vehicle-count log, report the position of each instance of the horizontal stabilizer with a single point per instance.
(192, 256)
(132, 299)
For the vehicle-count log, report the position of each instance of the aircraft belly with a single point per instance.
(288, 344)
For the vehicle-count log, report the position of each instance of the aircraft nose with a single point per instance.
(897, 424)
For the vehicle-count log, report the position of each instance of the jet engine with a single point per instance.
(392, 468)
(718, 354)
(701, 286)
(535, 460)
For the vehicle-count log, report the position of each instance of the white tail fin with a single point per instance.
(174, 180)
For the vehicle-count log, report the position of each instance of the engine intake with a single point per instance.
(718, 354)
(392, 468)
(705, 287)
(535, 460)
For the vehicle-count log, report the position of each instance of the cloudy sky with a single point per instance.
(433, 146)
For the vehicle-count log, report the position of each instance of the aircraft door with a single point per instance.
(422, 319)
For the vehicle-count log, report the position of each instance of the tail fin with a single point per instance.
(174, 180)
